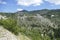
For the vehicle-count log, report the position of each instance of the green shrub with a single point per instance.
(11, 25)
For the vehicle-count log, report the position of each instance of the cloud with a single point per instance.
(2, 2)
(29, 2)
(19, 9)
(55, 2)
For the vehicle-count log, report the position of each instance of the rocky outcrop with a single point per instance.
(6, 35)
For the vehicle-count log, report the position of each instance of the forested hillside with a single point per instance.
(37, 25)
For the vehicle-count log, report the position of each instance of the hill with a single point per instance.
(36, 25)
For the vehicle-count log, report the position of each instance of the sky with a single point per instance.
(19, 5)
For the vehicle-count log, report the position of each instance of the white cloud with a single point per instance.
(2, 2)
(29, 2)
(19, 9)
(56, 2)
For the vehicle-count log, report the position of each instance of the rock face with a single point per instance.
(6, 35)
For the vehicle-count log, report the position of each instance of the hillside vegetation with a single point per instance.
(37, 25)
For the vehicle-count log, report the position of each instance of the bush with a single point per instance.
(11, 25)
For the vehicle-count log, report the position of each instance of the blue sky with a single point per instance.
(18, 5)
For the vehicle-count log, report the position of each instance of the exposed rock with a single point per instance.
(6, 35)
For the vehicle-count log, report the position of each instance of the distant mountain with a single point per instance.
(34, 11)
(43, 12)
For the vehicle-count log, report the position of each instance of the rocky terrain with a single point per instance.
(7, 35)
